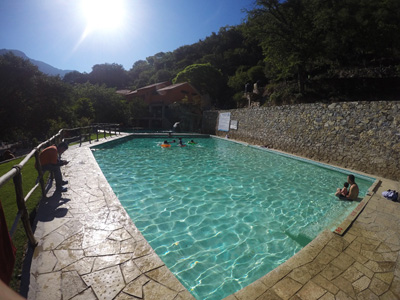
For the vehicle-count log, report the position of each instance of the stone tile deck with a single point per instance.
(90, 249)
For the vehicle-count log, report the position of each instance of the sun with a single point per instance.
(103, 15)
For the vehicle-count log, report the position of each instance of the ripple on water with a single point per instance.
(222, 215)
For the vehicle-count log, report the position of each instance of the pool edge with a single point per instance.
(305, 256)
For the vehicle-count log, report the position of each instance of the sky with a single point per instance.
(78, 34)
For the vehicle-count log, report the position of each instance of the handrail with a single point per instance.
(16, 175)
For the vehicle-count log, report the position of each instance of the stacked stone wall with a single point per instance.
(363, 136)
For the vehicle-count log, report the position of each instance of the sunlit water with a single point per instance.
(220, 214)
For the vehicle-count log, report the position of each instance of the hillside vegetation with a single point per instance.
(296, 50)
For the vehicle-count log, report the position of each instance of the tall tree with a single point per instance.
(205, 78)
(109, 107)
(76, 77)
(287, 34)
(17, 87)
(112, 75)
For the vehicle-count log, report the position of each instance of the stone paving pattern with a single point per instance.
(88, 246)
(90, 249)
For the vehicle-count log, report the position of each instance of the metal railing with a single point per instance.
(82, 134)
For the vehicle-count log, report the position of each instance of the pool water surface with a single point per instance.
(221, 214)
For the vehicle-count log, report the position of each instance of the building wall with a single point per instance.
(363, 136)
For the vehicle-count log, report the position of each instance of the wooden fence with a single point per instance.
(80, 134)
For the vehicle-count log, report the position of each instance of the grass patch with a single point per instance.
(9, 203)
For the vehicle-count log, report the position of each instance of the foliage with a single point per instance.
(300, 38)
(107, 105)
(205, 78)
(84, 108)
(304, 50)
(238, 81)
(17, 83)
(111, 75)
(36, 106)
(137, 109)
(76, 77)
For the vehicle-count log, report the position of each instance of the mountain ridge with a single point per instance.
(42, 66)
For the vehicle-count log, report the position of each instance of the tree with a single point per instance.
(76, 77)
(360, 32)
(84, 108)
(112, 75)
(52, 101)
(303, 37)
(135, 74)
(161, 75)
(288, 37)
(205, 78)
(238, 81)
(17, 78)
(109, 107)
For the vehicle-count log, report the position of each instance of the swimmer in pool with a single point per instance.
(165, 144)
(180, 143)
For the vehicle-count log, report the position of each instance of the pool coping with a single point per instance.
(320, 267)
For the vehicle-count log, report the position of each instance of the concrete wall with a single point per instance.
(363, 136)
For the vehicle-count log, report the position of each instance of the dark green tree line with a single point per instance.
(35, 106)
(326, 38)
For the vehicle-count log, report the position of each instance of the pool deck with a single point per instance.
(88, 248)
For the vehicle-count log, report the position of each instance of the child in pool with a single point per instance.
(180, 143)
(343, 192)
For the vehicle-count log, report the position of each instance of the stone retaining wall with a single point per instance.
(364, 136)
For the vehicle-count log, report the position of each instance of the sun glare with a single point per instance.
(103, 15)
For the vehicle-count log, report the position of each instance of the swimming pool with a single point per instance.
(220, 214)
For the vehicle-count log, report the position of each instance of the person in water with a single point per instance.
(165, 144)
(180, 143)
(192, 142)
(353, 192)
(344, 191)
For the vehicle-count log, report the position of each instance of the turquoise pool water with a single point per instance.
(221, 214)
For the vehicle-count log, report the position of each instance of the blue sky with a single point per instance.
(77, 34)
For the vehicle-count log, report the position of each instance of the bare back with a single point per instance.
(353, 193)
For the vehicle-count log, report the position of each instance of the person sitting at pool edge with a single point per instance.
(353, 192)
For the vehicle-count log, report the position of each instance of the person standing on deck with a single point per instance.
(50, 161)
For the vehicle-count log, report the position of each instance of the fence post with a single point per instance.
(90, 134)
(97, 133)
(21, 206)
(40, 173)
